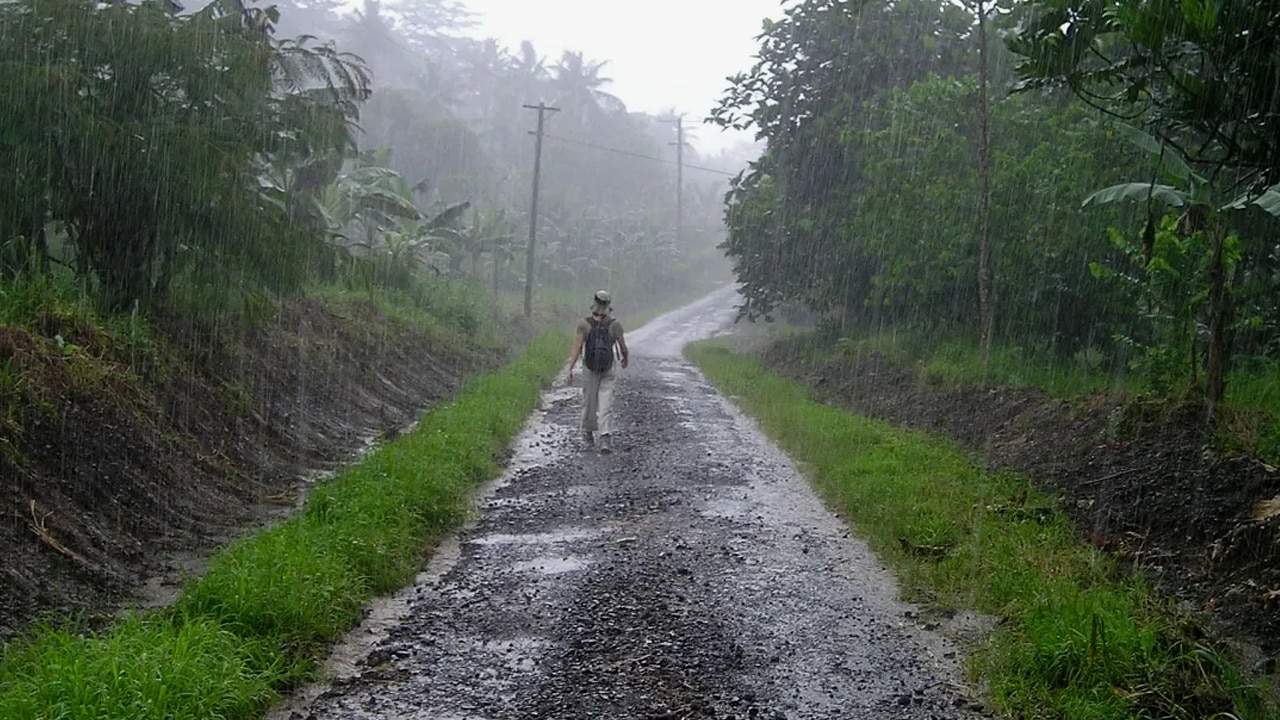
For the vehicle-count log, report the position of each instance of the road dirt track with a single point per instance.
(692, 573)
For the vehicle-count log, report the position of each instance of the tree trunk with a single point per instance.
(113, 253)
(1221, 312)
(984, 193)
(42, 250)
(76, 238)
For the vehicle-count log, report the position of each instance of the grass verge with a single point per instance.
(450, 308)
(956, 362)
(271, 603)
(1079, 639)
(1249, 423)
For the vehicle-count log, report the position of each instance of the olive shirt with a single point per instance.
(615, 328)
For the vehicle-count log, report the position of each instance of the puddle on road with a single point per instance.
(727, 508)
(697, 425)
(545, 538)
(552, 565)
(538, 498)
(673, 377)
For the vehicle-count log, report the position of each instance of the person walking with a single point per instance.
(595, 343)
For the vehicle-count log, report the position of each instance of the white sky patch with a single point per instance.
(662, 53)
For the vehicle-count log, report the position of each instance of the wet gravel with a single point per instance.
(689, 574)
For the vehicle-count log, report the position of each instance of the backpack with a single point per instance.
(599, 345)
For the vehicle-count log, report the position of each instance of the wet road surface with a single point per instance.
(691, 573)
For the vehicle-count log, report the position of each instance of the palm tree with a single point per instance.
(577, 83)
(486, 71)
(530, 69)
(380, 39)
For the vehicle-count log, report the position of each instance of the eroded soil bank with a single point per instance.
(1145, 484)
(119, 475)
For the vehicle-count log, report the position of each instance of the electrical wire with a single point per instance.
(628, 153)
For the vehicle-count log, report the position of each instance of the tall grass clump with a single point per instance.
(273, 601)
(1252, 420)
(1079, 639)
(142, 669)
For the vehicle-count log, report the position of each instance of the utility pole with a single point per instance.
(679, 143)
(542, 109)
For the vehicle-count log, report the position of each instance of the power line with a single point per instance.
(628, 153)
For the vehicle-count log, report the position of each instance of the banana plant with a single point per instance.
(417, 242)
(486, 233)
(1202, 211)
(1183, 187)
(368, 212)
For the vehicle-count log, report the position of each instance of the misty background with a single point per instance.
(450, 83)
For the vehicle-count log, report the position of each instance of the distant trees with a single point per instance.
(807, 95)
(146, 149)
(608, 173)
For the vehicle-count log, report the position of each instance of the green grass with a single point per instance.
(56, 306)
(956, 362)
(1252, 420)
(271, 603)
(141, 669)
(437, 306)
(1078, 640)
(960, 363)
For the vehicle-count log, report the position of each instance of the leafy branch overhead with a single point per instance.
(1201, 73)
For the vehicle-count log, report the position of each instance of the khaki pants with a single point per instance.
(597, 401)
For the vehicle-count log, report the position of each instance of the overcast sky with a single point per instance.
(661, 53)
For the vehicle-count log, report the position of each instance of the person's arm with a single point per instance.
(622, 345)
(573, 358)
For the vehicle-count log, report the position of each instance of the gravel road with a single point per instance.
(691, 573)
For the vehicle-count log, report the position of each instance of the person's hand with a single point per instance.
(569, 380)
(624, 362)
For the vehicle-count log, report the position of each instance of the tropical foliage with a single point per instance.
(164, 156)
(136, 138)
(864, 207)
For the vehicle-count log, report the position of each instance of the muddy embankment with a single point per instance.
(1143, 483)
(119, 474)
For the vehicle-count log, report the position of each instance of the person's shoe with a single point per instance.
(588, 437)
(606, 444)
